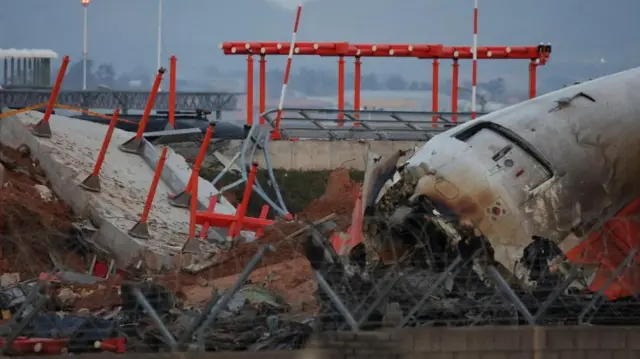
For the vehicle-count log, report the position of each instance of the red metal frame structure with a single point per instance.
(537, 55)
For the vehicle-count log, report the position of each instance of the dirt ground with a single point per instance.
(285, 271)
(35, 225)
(339, 198)
(31, 226)
(291, 279)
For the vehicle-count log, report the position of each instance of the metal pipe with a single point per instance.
(436, 285)
(85, 45)
(229, 293)
(249, 90)
(556, 293)
(188, 333)
(434, 91)
(594, 303)
(454, 90)
(509, 294)
(159, 49)
(474, 68)
(532, 78)
(157, 321)
(333, 297)
(356, 88)
(341, 90)
(263, 87)
(379, 299)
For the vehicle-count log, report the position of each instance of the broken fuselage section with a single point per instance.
(560, 167)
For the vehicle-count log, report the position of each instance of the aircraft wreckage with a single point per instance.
(537, 189)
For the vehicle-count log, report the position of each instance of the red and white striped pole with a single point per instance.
(275, 135)
(474, 68)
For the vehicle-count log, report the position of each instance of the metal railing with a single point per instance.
(125, 100)
(333, 124)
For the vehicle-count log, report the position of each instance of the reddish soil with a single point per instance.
(338, 198)
(285, 271)
(103, 295)
(30, 226)
(292, 279)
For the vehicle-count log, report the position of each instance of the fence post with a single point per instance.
(92, 182)
(135, 144)
(141, 229)
(43, 128)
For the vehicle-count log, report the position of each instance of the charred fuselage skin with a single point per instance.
(558, 164)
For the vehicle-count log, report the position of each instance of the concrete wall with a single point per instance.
(453, 343)
(487, 342)
(328, 155)
(306, 155)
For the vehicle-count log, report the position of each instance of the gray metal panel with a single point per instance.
(174, 136)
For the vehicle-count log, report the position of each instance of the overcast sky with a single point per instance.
(589, 37)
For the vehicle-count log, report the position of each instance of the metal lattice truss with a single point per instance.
(125, 100)
(257, 141)
(333, 124)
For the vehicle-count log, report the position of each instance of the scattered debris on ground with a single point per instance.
(338, 199)
(286, 270)
(34, 223)
(83, 307)
(270, 311)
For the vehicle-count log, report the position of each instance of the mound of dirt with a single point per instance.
(339, 198)
(33, 221)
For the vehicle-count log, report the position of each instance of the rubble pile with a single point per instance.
(286, 270)
(80, 311)
(338, 199)
(34, 223)
(423, 271)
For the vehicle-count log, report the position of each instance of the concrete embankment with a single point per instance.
(69, 157)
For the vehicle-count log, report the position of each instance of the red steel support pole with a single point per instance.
(532, 78)
(263, 87)
(454, 90)
(356, 89)
(192, 246)
(434, 92)
(43, 128)
(193, 208)
(474, 64)
(172, 91)
(135, 144)
(150, 102)
(341, 91)
(213, 200)
(242, 208)
(141, 229)
(250, 90)
(92, 182)
(182, 199)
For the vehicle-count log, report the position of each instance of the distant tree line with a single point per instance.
(104, 75)
(307, 81)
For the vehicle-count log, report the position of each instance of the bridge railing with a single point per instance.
(125, 100)
(333, 124)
